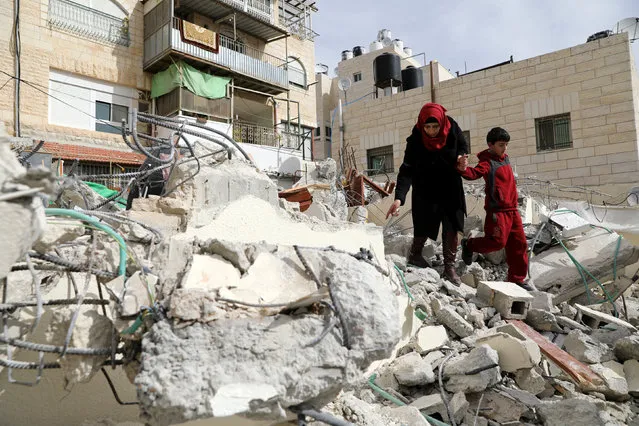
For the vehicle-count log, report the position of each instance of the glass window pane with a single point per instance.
(104, 127)
(562, 133)
(102, 111)
(120, 112)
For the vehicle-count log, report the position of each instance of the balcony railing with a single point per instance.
(180, 99)
(260, 9)
(88, 22)
(238, 57)
(254, 134)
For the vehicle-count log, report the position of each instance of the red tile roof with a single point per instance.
(87, 153)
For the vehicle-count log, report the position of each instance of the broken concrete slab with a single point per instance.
(91, 330)
(542, 300)
(210, 273)
(570, 412)
(58, 231)
(430, 338)
(595, 250)
(434, 358)
(572, 324)
(595, 319)
(483, 360)
(609, 336)
(542, 320)
(510, 300)
(499, 407)
(616, 387)
(514, 354)
(431, 404)
(569, 223)
(451, 319)
(407, 415)
(137, 292)
(458, 407)
(631, 373)
(464, 291)
(530, 380)
(195, 305)
(412, 370)
(586, 349)
(627, 348)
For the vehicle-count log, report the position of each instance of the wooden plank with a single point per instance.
(583, 376)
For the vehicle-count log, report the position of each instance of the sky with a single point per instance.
(466, 34)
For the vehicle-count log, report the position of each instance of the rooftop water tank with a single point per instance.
(408, 51)
(376, 45)
(346, 54)
(412, 78)
(387, 70)
(399, 44)
(382, 34)
(359, 50)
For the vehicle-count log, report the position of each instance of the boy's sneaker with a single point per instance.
(467, 254)
(527, 285)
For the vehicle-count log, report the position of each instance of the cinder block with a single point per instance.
(595, 319)
(510, 300)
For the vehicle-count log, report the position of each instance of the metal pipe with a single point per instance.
(341, 134)
(432, 82)
(16, 36)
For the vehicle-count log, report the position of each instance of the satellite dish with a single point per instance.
(628, 25)
(386, 41)
(344, 84)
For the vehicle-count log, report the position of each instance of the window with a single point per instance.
(466, 134)
(112, 113)
(357, 77)
(553, 132)
(329, 131)
(380, 160)
(296, 73)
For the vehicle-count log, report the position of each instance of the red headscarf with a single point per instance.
(438, 112)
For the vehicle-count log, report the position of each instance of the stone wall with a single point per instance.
(594, 82)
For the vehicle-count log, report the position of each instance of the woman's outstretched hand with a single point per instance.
(462, 162)
(393, 209)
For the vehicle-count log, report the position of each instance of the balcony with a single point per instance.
(182, 100)
(255, 17)
(250, 67)
(254, 134)
(87, 22)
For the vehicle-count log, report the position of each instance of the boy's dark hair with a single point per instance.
(497, 134)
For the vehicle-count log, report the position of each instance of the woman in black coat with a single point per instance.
(434, 152)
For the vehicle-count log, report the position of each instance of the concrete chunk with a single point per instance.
(627, 348)
(514, 354)
(613, 375)
(631, 372)
(430, 338)
(542, 300)
(570, 412)
(483, 359)
(451, 319)
(211, 273)
(412, 370)
(595, 319)
(510, 300)
(431, 404)
(542, 320)
(530, 380)
(407, 415)
(586, 349)
(464, 291)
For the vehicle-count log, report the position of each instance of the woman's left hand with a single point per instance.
(462, 162)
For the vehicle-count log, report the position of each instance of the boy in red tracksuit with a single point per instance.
(503, 226)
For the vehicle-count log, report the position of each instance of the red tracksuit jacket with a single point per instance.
(501, 189)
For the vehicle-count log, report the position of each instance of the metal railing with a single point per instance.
(258, 8)
(88, 22)
(254, 134)
(298, 28)
(236, 56)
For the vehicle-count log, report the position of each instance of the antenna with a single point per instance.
(344, 84)
(628, 25)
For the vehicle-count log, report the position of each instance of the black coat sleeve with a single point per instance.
(406, 171)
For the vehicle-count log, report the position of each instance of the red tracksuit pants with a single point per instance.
(504, 229)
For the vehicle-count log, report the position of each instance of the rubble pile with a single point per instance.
(489, 352)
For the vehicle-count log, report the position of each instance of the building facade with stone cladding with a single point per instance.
(572, 115)
(55, 62)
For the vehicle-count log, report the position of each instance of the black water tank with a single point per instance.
(387, 70)
(358, 51)
(412, 78)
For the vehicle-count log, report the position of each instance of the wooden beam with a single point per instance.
(583, 376)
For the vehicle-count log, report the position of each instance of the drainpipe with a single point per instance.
(341, 134)
(16, 37)
(432, 82)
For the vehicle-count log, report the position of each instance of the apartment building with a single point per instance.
(572, 115)
(84, 65)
